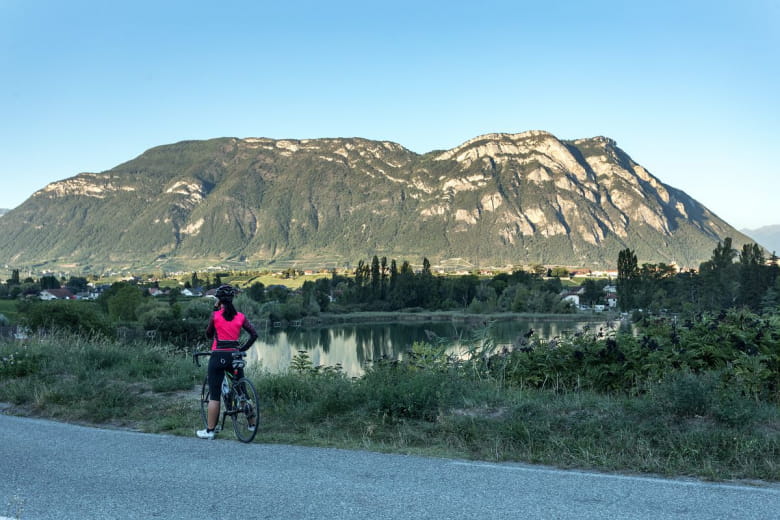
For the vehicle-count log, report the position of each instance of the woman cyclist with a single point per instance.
(225, 326)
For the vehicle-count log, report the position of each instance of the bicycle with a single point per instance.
(239, 399)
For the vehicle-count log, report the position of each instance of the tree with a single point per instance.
(77, 284)
(256, 292)
(559, 272)
(723, 255)
(426, 268)
(393, 275)
(538, 270)
(376, 278)
(173, 296)
(404, 293)
(123, 305)
(383, 278)
(627, 279)
(654, 286)
(593, 291)
(49, 282)
(718, 275)
(753, 276)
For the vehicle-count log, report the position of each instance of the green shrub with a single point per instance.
(397, 390)
(287, 389)
(337, 396)
(735, 410)
(76, 317)
(685, 395)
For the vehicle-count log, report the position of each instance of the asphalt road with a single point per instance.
(51, 470)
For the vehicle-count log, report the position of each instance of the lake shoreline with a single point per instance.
(376, 317)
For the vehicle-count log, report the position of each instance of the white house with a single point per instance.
(56, 294)
(573, 296)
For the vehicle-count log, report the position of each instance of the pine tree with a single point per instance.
(383, 276)
(627, 279)
(376, 278)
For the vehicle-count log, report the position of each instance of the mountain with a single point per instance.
(495, 200)
(767, 236)
(3, 211)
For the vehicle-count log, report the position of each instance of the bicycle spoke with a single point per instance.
(246, 416)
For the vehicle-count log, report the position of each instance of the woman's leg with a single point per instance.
(216, 372)
(213, 414)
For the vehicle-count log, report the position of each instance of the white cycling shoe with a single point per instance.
(205, 434)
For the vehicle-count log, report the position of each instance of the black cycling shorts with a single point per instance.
(220, 361)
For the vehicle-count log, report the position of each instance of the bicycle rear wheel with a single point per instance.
(204, 402)
(246, 417)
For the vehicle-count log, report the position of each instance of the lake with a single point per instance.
(353, 345)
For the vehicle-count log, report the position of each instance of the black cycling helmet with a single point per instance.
(225, 293)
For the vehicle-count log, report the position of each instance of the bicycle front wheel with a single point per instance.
(204, 402)
(246, 417)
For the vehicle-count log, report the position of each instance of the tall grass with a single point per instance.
(93, 380)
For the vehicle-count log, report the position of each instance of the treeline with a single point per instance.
(729, 279)
(16, 287)
(126, 308)
(380, 285)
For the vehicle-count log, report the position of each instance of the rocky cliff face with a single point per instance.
(498, 199)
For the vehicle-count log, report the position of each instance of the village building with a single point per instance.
(56, 294)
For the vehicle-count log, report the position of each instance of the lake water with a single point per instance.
(354, 345)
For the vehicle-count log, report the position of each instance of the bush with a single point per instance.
(75, 317)
(735, 410)
(396, 390)
(686, 395)
(123, 304)
(201, 309)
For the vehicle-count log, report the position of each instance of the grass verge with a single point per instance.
(681, 426)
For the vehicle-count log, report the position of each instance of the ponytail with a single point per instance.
(228, 311)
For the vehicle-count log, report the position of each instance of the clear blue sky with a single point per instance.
(689, 89)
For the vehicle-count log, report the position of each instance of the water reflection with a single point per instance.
(353, 346)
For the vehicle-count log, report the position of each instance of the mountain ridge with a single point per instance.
(497, 199)
(767, 236)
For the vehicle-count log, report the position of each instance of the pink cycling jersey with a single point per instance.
(226, 330)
